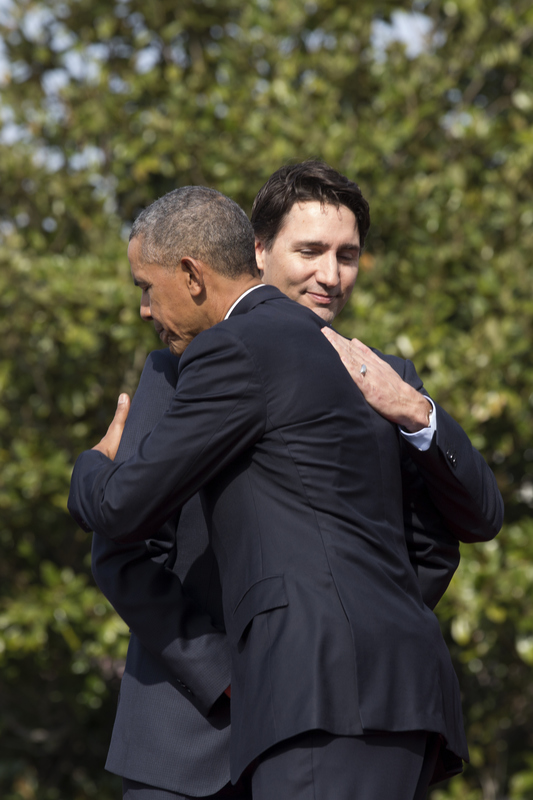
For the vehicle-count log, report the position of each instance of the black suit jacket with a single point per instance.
(172, 724)
(163, 735)
(325, 617)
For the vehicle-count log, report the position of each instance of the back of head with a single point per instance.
(303, 183)
(201, 223)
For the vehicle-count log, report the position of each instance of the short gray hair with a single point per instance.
(201, 223)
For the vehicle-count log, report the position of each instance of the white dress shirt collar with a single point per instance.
(238, 300)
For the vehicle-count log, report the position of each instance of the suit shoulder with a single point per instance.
(277, 313)
(220, 351)
(265, 328)
(163, 361)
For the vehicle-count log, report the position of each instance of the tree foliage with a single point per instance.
(106, 106)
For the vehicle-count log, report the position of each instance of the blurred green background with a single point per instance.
(105, 106)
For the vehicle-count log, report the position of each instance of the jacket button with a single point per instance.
(450, 455)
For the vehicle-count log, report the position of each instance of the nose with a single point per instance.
(327, 273)
(145, 311)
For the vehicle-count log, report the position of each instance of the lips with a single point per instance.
(323, 299)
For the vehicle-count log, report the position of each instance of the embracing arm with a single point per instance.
(455, 476)
(460, 482)
(432, 547)
(168, 622)
(216, 414)
(450, 493)
(139, 580)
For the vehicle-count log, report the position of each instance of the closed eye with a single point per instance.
(349, 256)
(310, 253)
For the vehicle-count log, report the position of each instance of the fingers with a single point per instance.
(123, 409)
(338, 342)
(111, 441)
(341, 345)
(348, 347)
(121, 415)
(380, 385)
(351, 352)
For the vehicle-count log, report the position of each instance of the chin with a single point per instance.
(176, 347)
(325, 313)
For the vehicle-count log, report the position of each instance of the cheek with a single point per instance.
(298, 273)
(268, 267)
(348, 279)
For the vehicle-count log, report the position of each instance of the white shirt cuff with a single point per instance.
(422, 439)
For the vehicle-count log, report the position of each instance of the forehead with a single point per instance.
(324, 218)
(135, 252)
(139, 268)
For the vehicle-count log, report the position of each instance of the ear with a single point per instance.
(260, 256)
(194, 275)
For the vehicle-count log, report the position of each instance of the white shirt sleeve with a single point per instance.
(422, 439)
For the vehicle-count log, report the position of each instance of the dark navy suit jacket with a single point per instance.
(325, 618)
(167, 734)
(161, 737)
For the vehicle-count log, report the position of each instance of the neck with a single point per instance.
(221, 292)
(239, 289)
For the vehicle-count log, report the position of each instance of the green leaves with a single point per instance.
(107, 106)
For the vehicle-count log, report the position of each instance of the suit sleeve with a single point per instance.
(138, 580)
(150, 598)
(458, 480)
(217, 412)
(442, 509)
(432, 547)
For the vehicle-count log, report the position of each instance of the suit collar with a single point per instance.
(255, 298)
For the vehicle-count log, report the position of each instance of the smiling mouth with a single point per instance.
(323, 299)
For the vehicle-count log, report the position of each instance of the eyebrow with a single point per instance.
(346, 246)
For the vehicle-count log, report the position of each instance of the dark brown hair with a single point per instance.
(301, 183)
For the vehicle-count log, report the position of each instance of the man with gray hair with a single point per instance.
(308, 572)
